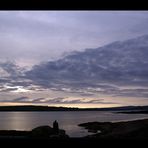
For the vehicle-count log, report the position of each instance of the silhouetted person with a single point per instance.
(56, 126)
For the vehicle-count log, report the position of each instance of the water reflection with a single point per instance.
(66, 120)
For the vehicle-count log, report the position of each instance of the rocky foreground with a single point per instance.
(41, 132)
(137, 129)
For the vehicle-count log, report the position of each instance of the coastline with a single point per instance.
(136, 129)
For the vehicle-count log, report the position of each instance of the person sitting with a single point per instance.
(56, 126)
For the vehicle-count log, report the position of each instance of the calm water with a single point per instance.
(67, 120)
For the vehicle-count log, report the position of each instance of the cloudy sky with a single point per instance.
(35, 49)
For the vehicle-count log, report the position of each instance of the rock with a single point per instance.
(42, 131)
(47, 132)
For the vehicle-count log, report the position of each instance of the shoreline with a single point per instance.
(134, 129)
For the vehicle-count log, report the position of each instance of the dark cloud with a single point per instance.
(11, 71)
(10, 68)
(58, 100)
(94, 71)
(12, 77)
(78, 101)
(25, 100)
(86, 94)
(4, 80)
(17, 100)
(138, 93)
(101, 70)
(3, 89)
(21, 99)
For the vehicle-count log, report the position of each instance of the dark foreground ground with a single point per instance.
(71, 142)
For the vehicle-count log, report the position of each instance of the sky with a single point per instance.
(31, 39)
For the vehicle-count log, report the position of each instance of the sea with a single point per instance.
(68, 120)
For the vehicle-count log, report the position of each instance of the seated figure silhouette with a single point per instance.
(56, 126)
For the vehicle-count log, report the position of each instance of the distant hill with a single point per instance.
(51, 108)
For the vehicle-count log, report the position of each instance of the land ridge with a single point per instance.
(53, 108)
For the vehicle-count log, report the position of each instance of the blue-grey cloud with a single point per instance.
(29, 37)
(11, 69)
(138, 93)
(57, 100)
(3, 89)
(21, 99)
(108, 67)
(117, 62)
(101, 71)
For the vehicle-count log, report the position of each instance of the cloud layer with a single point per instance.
(118, 69)
(100, 70)
(30, 37)
(52, 47)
